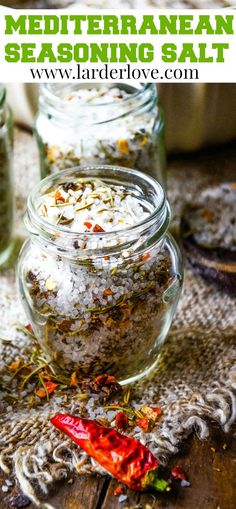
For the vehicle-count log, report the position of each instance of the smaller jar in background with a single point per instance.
(108, 124)
(100, 276)
(6, 188)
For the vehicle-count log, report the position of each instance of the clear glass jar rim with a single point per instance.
(2, 94)
(57, 109)
(46, 89)
(160, 214)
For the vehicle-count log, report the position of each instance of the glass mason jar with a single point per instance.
(124, 129)
(6, 190)
(101, 302)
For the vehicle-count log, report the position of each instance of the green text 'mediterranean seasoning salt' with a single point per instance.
(6, 190)
(100, 277)
(109, 124)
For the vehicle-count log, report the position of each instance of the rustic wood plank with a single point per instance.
(211, 470)
(85, 492)
(210, 466)
(112, 502)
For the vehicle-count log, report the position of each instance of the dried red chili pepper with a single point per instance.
(118, 491)
(143, 423)
(123, 457)
(178, 473)
(29, 328)
(49, 389)
(105, 385)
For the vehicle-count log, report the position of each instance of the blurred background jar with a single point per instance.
(6, 188)
(116, 124)
(196, 114)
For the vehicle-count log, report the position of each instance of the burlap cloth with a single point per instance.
(195, 379)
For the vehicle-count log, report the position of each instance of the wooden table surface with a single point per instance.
(210, 465)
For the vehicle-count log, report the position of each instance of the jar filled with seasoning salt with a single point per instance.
(109, 124)
(100, 276)
(6, 189)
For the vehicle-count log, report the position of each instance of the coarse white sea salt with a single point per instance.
(8, 482)
(115, 208)
(122, 498)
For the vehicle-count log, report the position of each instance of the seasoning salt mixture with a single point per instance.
(118, 125)
(83, 203)
(212, 217)
(208, 230)
(100, 296)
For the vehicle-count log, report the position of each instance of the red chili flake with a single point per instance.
(29, 327)
(118, 491)
(14, 366)
(143, 423)
(88, 225)
(106, 385)
(73, 380)
(98, 228)
(157, 410)
(106, 257)
(152, 413)
(108, 291)
(121, 421)
(58, 197)
(49, 389)
(178, 473)
(146, 256)
(102, 380)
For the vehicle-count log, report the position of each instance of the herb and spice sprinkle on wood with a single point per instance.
(135, 466)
